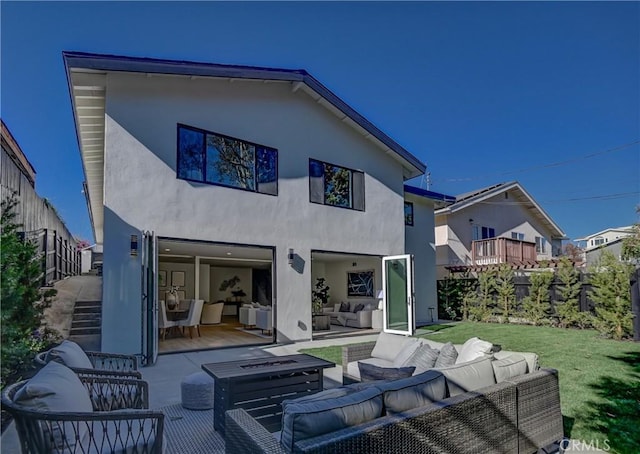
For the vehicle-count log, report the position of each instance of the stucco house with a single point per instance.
(242, 183)
(606, 240)
(497, 224)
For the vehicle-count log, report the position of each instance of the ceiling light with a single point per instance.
(228, 253)
(167, 250)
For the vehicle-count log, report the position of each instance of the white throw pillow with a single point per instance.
(472, 349)
(70, 354)
(336, 307)
(388, 346)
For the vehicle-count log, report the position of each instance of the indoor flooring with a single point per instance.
(211, 336)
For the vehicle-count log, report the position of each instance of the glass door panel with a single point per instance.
(397, 285)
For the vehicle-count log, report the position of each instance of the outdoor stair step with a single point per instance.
(88, 303)
(87, 316)
(88, 310)
(83, 331)
(85, 323)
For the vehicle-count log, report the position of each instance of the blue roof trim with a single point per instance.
(102, 62)
(429, 194)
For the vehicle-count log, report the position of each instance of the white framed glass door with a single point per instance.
(150, 297)
(398, 301)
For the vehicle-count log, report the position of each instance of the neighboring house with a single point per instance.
(498, 224)
(252, 182)
(36, 216)
(606, 240)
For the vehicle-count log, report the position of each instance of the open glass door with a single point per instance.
(150, 297)
(397, 287)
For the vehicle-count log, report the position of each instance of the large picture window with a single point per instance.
(330, 184)
(209, 157)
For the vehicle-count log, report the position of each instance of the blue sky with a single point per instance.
(481, 92)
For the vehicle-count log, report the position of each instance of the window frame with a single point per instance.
(412, 223)
(204, 160)
(324, 196)
(541, 243)
(517, 236)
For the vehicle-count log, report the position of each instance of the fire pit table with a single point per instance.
(259, 386)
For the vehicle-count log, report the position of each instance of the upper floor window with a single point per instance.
(517, 236)
(482, 233)
(330, 184)
(213, 158)
(408, 213)
(598, 241)
(541, 245)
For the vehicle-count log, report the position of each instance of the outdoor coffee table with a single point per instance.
(259, 385)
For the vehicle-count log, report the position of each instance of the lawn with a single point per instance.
(599, 378)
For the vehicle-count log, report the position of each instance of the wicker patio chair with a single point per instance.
(120, 421)
(105, 364)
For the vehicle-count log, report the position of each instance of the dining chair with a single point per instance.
(193, 319)
(163, 322)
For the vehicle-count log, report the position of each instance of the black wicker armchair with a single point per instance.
(105, 364)
(120, 421)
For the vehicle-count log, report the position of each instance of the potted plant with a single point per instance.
(320, 296)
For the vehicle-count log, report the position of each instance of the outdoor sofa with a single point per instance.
(481, 405)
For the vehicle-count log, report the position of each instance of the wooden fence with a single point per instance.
(60, 258)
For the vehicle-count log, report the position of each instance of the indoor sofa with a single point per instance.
(480, 405)
(356, 314)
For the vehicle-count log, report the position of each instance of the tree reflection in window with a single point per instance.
(190, 158)
(230, 162)
(213, 158)
(337, 186)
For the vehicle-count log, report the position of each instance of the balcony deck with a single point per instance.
(493, 251)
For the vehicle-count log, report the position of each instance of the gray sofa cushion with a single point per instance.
(70, 354)
(320, 415)
(511, 366)
(57, 388)
(532, 358)
(472, 349)
(369, 372)
(424, 358)
(388, 346)
(417, 391)
(447, 356)
(354, 370)
(465, 377)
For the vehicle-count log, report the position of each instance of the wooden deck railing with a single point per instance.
(493, 251)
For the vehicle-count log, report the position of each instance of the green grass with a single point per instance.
(599, 378)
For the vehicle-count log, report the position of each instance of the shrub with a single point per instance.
(568, 305)
(23, 303)
(506, 292)
(611, 296)
(536, 306)
(451, 297)
(480, 299)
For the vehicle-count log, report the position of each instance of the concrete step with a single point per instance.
(87, 316)
(88, 310)
(83, 331)
(88, 303)
(85, 324)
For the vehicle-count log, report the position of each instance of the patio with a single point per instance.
(189, 431)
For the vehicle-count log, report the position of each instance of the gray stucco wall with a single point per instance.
(420, 241)
(143, 193)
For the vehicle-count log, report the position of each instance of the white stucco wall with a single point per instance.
(420, 241)
(143, 193)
